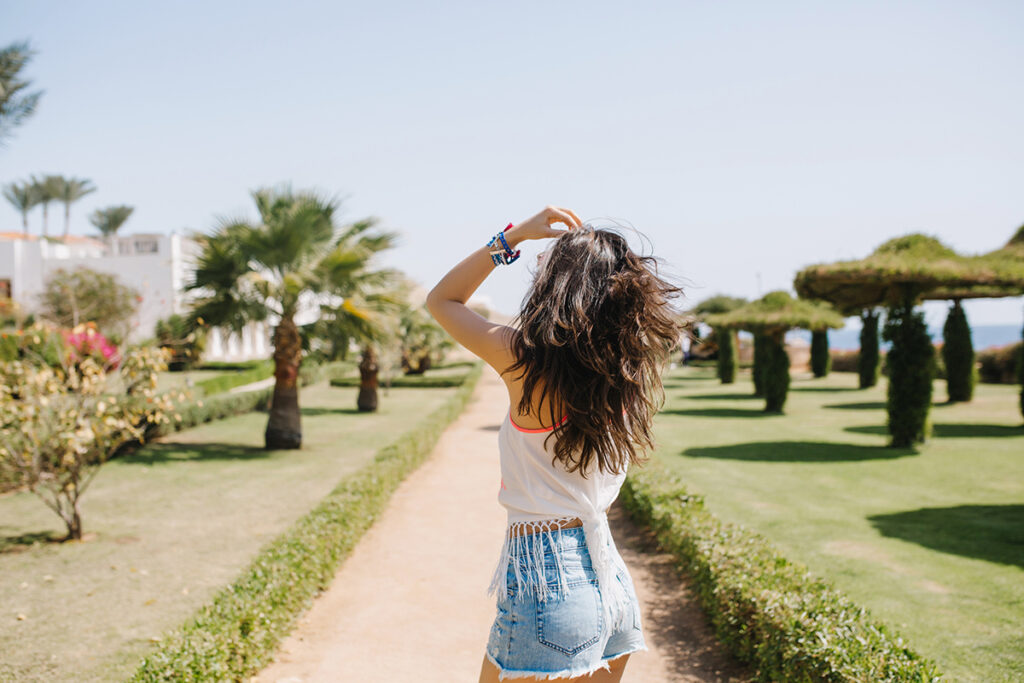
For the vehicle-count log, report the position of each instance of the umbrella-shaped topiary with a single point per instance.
(899, 274)
(728, 347)
(769, 318)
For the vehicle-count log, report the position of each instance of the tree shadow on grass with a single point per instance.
(720, 412)
(866, 405)
(949, 430)
(798, 451)
(171, 451)
(994, 533)
(22, 542)
(827, 390)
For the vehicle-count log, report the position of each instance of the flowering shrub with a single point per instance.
(84, 340)
(60, 421)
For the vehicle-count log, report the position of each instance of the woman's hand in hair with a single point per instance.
(542, 225)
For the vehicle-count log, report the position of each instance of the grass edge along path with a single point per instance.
(770, 612)
(236, 634)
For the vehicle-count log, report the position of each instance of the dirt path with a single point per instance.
(410, 603)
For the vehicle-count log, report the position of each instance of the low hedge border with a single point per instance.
(235, 635)
(770, 612)
(235, 378)
(408, 381)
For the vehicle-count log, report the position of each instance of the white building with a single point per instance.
(156, 265)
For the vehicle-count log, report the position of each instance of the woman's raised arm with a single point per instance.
(447, 300)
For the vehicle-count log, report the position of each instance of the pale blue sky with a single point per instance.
(745, 139)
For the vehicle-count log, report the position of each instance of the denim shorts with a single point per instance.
(563, 635)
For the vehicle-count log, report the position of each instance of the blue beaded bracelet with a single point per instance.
(502, 254)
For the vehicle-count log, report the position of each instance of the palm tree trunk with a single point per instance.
(67, 217)
(24, 222)
(284, 428)
(367, 399)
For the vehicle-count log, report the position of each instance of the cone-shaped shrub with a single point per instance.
(867, 360)
(958, 354)
(911, 363)
(775, 372)
(728, 355)
(1020, 374)
(760, 351)
(821, 362)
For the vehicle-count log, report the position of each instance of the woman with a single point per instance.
(582, 364)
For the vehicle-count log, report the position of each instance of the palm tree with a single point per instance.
(48, 188)
(294, 257)
(109, 220)
(16, 105)
(23, 197)
(70, 191)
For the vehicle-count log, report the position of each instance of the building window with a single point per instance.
(145, 247)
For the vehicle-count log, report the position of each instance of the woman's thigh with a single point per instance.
(489, 673)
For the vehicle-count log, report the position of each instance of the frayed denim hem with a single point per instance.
(554, 675)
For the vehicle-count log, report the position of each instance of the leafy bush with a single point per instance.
(186, 340)
(234, 635)
(844, 360)
(998, 365)
(70, 298)
(770, 612)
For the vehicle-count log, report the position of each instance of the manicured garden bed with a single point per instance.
(170, 525)
(929, 541)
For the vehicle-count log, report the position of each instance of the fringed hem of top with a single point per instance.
(526, 539)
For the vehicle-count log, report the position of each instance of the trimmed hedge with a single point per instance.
(774, 372)
(998, 365)
(408, 381)
(958, 355)
(236, 634)
(821, 362)
(868, 357)
(768, 611)
(760, 359)
(236, 377)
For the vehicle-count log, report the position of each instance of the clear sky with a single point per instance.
(744, 139)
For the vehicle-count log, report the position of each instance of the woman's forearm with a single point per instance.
(467, 275)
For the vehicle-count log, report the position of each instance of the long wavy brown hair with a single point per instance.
(594, 332)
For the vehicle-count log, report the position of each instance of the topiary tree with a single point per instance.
(728, 348)
(775, 373)
(728, 356)
(821, 362)
(911, 365)
(769, 318)
(1020, 373)
(760, 359)
(899, 274)
(868, 364)
(958, 355)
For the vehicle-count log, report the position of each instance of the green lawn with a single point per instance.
(930, 541)
(173, 522)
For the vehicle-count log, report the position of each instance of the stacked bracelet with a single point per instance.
(499, 250)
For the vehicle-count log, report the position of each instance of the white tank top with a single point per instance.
(536, 494)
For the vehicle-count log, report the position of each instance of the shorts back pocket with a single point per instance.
(571, 622)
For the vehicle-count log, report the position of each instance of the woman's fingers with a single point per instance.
(579, 223)
(557, 215)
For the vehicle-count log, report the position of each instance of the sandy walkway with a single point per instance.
(410, 603)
